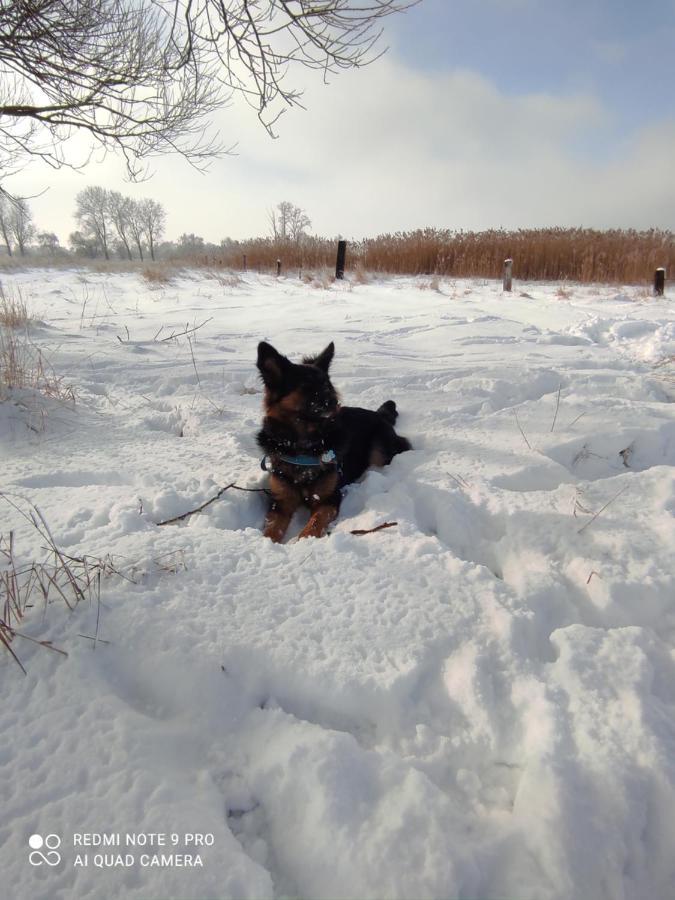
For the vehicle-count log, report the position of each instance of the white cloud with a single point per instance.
(389, 148)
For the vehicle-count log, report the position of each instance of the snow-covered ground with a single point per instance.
(478, 702)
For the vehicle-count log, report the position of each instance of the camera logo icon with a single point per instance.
(50, 856)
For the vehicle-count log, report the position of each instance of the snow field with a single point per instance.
(477, 703)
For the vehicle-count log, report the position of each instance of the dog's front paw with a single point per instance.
(319, 522)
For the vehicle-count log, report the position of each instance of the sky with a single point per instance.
(482, 114)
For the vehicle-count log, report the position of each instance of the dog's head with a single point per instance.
(298, 394)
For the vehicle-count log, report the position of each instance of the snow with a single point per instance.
(478, 702)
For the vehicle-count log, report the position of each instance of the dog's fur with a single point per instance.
(303, 416)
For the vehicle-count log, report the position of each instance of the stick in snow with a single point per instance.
(590, 521)
(557, 407)
(220, 493)
(521, 430)
(360, 531)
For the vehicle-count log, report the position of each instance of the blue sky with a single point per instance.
(622, 51)
(484, 113)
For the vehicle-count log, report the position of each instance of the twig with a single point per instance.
(590, 522)
(98, 606)
(462, 482)
(7, 645)
(360, 531)
(194, 363)
(557, 407)
(220, 493)
(47, 644)
(175, 334)
(574, 421)
(521, 430)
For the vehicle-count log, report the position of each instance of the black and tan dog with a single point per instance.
(313, 445)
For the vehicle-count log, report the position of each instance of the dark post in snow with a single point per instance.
(245, 269)
(508, 274)
(659, 282)
(340, 264)
(278, 268)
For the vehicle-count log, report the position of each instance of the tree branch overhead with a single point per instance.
(145, 76)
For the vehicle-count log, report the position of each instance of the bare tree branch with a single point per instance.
(144, 76)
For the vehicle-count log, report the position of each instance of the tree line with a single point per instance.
(16, 224)
(109, 222)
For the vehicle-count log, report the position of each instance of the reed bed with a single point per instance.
(539, 254)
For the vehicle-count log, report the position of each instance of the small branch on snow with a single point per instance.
(191, 512)
(557, 407)
(46, 644)
(462, 482)
(574, 421)
(96, 640)
(360, 531)
(602, 509)
(529, 445)
(170, 337)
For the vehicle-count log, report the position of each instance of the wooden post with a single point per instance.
(245, 268)
(278, 268)
(659, 282)
(508, 274)
(340, 264)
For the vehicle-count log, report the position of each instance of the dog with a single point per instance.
(313, 445)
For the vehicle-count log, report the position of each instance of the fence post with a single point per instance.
(245, 267)
(508, 276)
(278, 268)
(340, 264)
(659, 282)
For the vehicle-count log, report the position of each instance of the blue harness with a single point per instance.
(305, 461)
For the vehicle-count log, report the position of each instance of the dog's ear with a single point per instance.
(324, 359)
(271, 364)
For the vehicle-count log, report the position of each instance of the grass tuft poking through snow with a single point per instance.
(13, 309)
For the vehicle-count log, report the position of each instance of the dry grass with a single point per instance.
(23, 366)
(159, 275)
(13, 309)
(360, 275)
(59, 578)
(539, 254)
(434, 284)
(619, 256)
(224, 278)
(577, 254)
(320, 281)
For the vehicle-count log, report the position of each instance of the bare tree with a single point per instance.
(21, 224)
(84, 245)
(153, 216)
(120, 212)
(143, 76)
(274, 224)
(93, 215)
(288, 222)
(136, 225)
(298, 224)
(48, 242)
(5, 212)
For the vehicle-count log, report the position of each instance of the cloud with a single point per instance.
(389, 148)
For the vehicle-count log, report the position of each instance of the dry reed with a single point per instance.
(23, 366)
(13, 309)
(539, 254)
